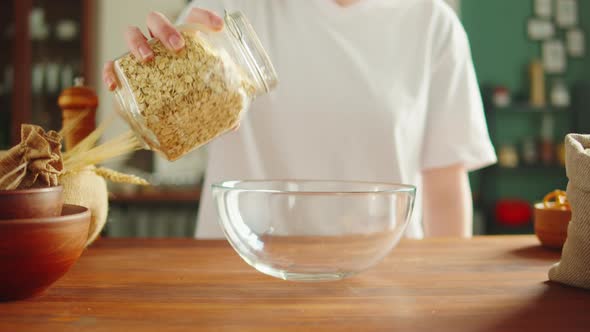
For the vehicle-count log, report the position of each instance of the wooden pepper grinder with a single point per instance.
(74, 102)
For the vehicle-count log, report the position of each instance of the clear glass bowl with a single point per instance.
(313, 230)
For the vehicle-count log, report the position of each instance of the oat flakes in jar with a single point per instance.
(180, 101)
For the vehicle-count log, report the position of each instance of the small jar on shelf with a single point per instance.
(560, 96)
(508, 156)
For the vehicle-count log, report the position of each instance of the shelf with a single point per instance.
(496, 229)
(149, 197)
(54, 42)
(53, 96)
(527, 109)
(552, 168)
(56, 51)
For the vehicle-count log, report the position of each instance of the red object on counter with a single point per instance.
(513, 212)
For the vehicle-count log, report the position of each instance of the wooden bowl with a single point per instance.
(551, 225)
(34, 253)
(31, 203)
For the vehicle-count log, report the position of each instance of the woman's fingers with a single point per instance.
(161, 28)
(206, 18)
(108, 76)
(137, 44)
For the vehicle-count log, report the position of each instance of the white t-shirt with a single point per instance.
(377, 91)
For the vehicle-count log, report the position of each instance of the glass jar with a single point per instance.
(180, 101)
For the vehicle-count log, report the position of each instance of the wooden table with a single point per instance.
(483, 284)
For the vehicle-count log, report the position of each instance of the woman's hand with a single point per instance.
(159, 27)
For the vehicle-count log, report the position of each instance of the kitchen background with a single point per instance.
(531, 58)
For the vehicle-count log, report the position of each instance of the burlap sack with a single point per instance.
(88, 189)
(574, 268)
(35, 162)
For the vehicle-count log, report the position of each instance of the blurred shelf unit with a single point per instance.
(153, 213)
(522, 177)
(47, 43)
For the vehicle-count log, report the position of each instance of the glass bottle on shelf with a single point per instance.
(537, 84)
(530, 155)
(546, 145)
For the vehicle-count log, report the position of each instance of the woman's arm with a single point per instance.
(448, 207)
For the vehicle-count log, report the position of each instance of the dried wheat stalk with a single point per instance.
(118, 146)
(87, 152)
(71, 125)
(119, 177)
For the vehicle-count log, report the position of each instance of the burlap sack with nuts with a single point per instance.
(35, 162)
(574, 268)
